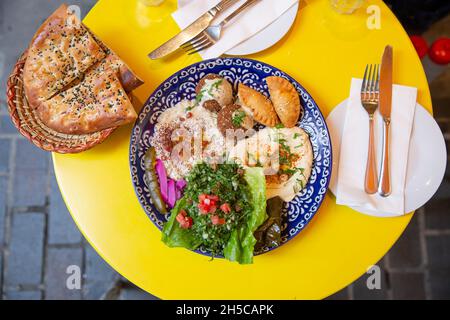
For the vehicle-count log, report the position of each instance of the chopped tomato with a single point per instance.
(213, 198)
(216, 220)
(184, 221)
(188, 222)
(207, 203)
(225, 208)
(204, 209)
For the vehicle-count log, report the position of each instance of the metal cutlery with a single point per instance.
(212, 34)
(384, 188)
(370, 95)
(191, 31)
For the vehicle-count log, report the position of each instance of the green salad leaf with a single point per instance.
(174, 236)
(241, 244)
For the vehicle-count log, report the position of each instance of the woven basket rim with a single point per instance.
(29, 126)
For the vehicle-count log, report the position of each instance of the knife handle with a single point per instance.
(371, 181)
(238, 11)
(384, 189)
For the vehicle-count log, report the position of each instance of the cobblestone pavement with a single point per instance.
(38, 238)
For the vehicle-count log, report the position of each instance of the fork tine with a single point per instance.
(190, 46)
(377, 82)
(363, 86)
(201, 37)
(369, 80)
(205, 44)
(374, 78)
(198, 44)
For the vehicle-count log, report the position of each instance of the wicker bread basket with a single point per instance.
(32, 128)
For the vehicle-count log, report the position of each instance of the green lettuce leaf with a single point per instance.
(241, 244)
(174, 236)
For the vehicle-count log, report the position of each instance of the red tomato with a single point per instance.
(216, 220)
(440, 51)
(420, 45)
(180, 218)
(212, 209)
(184, 221)
(204, 209)
(213, 198)
(207, 203)
(188, 222)
(225, 208)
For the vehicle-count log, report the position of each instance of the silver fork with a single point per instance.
(370, 98)
(212, 34)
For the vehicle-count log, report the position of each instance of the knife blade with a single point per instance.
(386, 83)
(384, 187)
(190, 31)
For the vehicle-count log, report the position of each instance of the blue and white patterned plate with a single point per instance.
(252, 73)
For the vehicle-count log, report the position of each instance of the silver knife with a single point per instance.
(384, 188)
(191, 31)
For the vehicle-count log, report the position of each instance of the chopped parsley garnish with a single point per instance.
(279, 126)
(209, 91)
(238, 118)
(215, 85)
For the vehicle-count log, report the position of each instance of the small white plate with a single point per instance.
(426, 161)
(266, 37)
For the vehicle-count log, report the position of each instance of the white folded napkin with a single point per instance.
(244, 26)
(354, 149)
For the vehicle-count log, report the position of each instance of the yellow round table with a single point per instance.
(323, 51)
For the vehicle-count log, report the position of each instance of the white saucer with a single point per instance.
(266, 37)
(426, 161)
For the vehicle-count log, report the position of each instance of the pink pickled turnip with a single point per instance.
(172, 194)
(162, 177)
(180, 185)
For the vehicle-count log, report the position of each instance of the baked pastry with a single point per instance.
(257, 106)
(60, 52)
(214, 87)
(76, 84)
(96, 103)
(128, 78)
(285, 99)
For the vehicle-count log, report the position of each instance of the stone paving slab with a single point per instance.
(7, 128)
(23, 295)
(3, 208)
(406, 253)
(24, 265)
(61, 227)
(5, 146)
(57, 273)
(134, 293)
(30, 187)
(407, 285)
